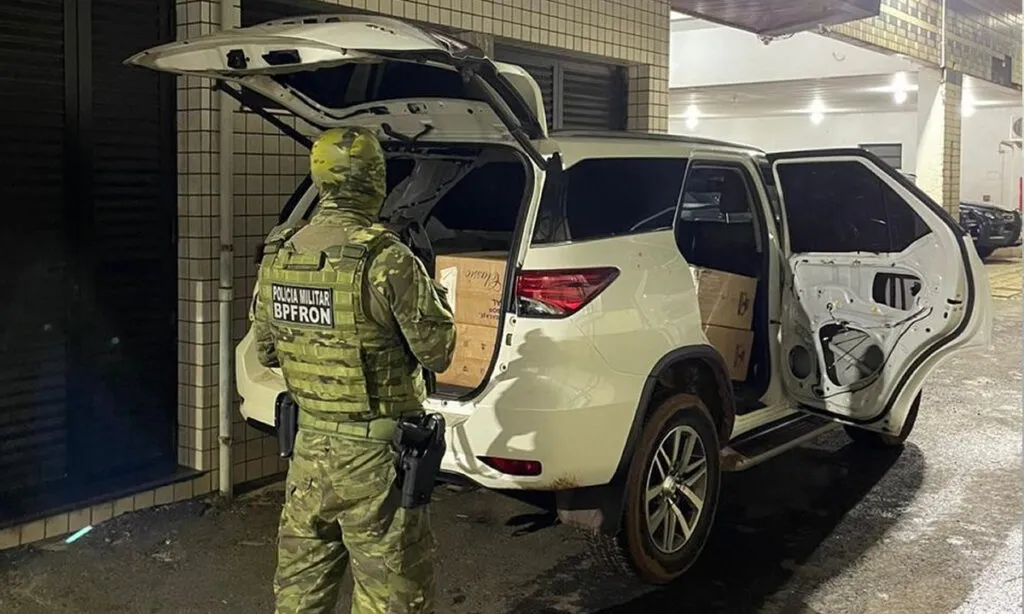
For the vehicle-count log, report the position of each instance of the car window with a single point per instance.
(716, 226)
(843, 206)
(716, 193)
(610, 197)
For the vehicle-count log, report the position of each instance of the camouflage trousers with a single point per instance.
(341, 506)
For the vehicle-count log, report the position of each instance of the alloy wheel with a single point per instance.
(676, 488)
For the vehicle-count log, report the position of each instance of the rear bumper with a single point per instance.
(574, 422)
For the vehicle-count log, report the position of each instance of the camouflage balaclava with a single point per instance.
(347, 167)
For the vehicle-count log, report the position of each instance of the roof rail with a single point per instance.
(647, 136)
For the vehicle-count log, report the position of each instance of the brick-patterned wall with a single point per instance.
(914, 28)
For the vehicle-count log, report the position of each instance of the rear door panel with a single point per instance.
(881, 286)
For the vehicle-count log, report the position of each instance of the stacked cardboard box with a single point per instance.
(727, 312)
(474, 282)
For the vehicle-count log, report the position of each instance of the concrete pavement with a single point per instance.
(1004, 273)
(933, 529)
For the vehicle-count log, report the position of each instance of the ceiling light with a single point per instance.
(899, 87)
(817, 112)
(692, 115)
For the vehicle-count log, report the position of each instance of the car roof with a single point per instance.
(983, 205)
(581, 144)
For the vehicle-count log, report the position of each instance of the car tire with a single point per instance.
(985, 252)
(881, 441)
(688, 496)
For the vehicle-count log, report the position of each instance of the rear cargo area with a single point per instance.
(470, 228)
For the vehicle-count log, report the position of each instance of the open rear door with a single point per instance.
(410, 82)
(882, 284)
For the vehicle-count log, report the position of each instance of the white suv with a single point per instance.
(603, 386)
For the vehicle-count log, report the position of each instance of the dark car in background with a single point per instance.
(990, 226)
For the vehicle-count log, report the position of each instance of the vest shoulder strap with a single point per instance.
(363, 245)
(277, 238)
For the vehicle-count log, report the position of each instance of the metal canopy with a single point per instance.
(778, 17)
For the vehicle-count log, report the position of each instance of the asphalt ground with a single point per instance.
(934, 528)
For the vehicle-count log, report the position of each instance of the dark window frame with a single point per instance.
(890, 153)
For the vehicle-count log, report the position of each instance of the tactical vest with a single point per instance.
(337, 363)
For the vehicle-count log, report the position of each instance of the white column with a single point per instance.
(939, 98)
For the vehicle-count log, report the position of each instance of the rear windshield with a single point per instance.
(329, 87)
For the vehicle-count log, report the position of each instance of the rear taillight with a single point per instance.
(557, 294)
(512, 466)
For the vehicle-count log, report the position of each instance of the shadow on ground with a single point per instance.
(771, 520)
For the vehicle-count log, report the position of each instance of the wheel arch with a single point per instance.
(698, 369)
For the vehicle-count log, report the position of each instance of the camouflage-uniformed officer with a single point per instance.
(352, 318)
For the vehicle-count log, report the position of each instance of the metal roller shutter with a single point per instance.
(88, 376)
(594, 97)
(35, 336)
(543, 70)
(578, 95)
(133, 337)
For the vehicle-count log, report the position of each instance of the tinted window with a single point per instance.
(716, 225)
(612, 197)
(716, 193)
(845, 207)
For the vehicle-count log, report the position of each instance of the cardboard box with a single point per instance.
(474, 282)
(725, 299)
(474, 349)
(735, 345)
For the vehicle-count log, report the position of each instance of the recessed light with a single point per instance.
(692, 116)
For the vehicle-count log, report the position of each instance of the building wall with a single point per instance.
(986, 168)
(914, 28)
(267, 167)
(797, 132)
